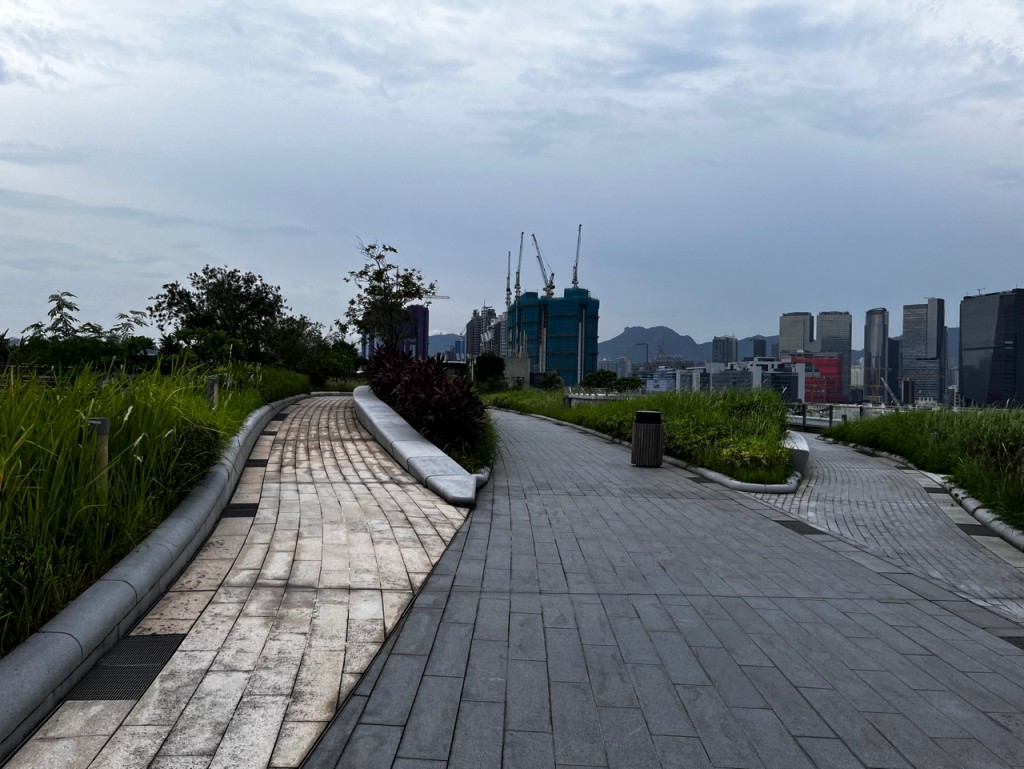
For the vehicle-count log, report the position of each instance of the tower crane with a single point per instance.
(545, 272)
(508, 288)
(576, 265)
(520, 265)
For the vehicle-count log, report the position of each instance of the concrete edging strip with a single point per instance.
(421, 458)
(38, 673)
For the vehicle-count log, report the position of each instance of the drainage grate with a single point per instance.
(269, 432)
(935, 489)
(127, 670)
(976, 530)
(1016, 640)
(279, 417)
(256, 463)
(701, 479)
(241, 510)
(800, 527)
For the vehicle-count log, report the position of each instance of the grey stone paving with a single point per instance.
(594, 614)
(887, 507)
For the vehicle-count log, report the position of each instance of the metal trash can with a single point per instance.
(648, 439)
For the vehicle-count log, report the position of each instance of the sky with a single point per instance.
(728, 161)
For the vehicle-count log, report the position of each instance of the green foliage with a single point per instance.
(443, 409)
(629, 384)
(982, 451)
(58, 532)
(552, 381)
(384, 291)
(735, 433)
(603, 379)
(274, 383)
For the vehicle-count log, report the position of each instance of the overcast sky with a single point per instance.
(728, 161)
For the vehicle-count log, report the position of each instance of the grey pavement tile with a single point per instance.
(428, 733)
(557, 611)
(914, 744)
(719, 732)
(911, 704)
(565, 655)
(634, 642)
(393, 694)
(527, 697)
(830, 753)
(492, 619)
(978, 725)
(418, 631)
(659, 702)
(478, 736)
(528, 750)
(858, 734)
(970, 754)
(609, 677)
(774, 744)
(729, 679)
(450, 653)
(593, 624)
(371, 747)
(788, 703)
(626, 739)
(681, 752)
(461, 607)
(526, 637)
(576, 727)
(486, 671)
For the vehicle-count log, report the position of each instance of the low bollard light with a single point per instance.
(100, 427)
(212, 388)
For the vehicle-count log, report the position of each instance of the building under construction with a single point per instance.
(556, 334)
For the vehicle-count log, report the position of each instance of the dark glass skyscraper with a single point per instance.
(992, 349)
(876, 355)
(924, 349)
(835, 335)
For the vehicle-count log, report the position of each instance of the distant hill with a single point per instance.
(663, 340)
(438, 343)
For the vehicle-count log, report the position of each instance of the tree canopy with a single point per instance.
(384, 292)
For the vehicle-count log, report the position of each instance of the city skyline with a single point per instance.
(727, 163)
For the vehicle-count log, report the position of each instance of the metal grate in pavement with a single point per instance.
(256, 463)
(269, 432)
(280, 417)
(127, 670)
(935, 489)
(241, 510)
(701, 479)
(1016, 640)
(800, 527)
(976, 530)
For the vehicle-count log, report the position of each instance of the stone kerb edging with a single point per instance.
(789, 487)
(971, 505)
(424, 461)
(38, 673)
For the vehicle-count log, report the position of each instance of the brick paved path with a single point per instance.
(281, 612)
(888, 508)
(595, 614)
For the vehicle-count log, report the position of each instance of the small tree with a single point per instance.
(385, 291)
(601, 378)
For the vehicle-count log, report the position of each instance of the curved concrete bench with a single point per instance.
(38, 673)
(424, 461)
(799, 451)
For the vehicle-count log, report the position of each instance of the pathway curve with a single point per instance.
(318, 555)
(905, 515)
(593, 614)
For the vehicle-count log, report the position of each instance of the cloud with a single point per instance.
(53, 204)
(31, 154)
(5, 76)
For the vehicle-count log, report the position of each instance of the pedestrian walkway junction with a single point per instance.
(585, 613)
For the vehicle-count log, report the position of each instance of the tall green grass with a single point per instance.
(735, 433)
(58, 530)
(982, 450)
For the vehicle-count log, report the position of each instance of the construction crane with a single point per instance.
(576, 264)
(545, 271)
(508, 287)
(519, 266)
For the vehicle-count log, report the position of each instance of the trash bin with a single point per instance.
(648, 439)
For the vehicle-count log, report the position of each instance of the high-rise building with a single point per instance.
(895, 371)
(992, 349)
(476, 329)
(760, 347)
(823, 377)
(923, 353)
(835, 336)
(796, 332)
(557, 333)
(724, 349)
(876, 355)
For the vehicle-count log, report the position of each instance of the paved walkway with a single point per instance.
(313, 563)
(589, 614)
(595, 614)
(905, 515)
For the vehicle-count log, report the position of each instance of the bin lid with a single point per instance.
(647, 417)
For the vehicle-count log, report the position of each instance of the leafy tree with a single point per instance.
(385, 291)
(239, 304)
(626, 383)
(602, 379)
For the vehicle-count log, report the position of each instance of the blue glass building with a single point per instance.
(557, 333)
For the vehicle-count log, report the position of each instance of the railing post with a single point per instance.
(100, 427)
(803, 415)
(212, 387)
(831, 410)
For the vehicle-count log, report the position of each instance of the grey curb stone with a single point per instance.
(424, 461)
(789, 487)
(970, 505)
(41, 671)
